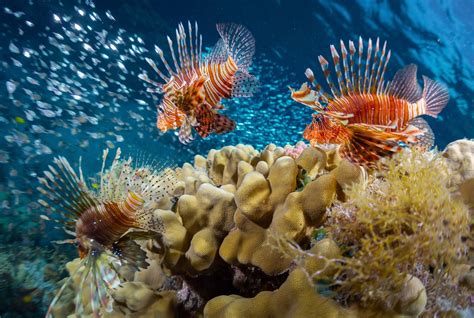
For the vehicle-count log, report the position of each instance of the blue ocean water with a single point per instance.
(69, 85)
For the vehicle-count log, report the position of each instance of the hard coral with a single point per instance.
(249, 234)
(460, 158)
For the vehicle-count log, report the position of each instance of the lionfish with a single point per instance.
(195, 87)
(106, 222)
(367, 116)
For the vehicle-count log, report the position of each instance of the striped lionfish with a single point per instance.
(194, 88)
(104, 223)
(370, 117)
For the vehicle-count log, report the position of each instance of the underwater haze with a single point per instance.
(69, 87)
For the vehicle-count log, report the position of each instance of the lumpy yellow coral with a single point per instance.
(264, 234)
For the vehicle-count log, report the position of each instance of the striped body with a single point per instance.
(103, 224)
(106, 223)
(373, 109)
(206, 84)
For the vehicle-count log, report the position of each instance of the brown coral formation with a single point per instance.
(239, 241)
(460, 158)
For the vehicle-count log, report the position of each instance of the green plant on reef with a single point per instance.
(405, 222)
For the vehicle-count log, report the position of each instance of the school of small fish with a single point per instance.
(71, 85)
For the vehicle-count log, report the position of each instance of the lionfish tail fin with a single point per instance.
(64, 193)
(239, 44)
(436, 96)
(368, 143)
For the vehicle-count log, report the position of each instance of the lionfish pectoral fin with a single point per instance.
(436, 96)
(64, 193)
(405, 86)
(239, 44)
(185, 134)
(204, 117)
(49, 313)
(129, 251)
(223, 124)
(99, 276)
(244, 85)
(370, 143)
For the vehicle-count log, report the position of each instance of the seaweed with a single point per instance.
(406, 222)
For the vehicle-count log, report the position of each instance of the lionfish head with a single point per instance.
(323, 129)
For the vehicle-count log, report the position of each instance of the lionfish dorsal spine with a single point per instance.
(367, 77)
(191, 46)
(359, 66)
(186, 59)
(156, 69)
(352, 51)
(173, 55)
(379, 68)
(317, 87)
(64, 193)
(337, 68)
(367, 65)
(374, 64)
(165, 62)
(327, 74)
(345, 65)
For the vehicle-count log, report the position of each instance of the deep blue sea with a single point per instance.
(69, 86)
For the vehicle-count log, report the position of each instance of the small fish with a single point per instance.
(370, 117)
(19, 120)
(194, 88)
(104, 221)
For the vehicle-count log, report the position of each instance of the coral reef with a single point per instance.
(460, 158)
(27, 275)
(296, 231)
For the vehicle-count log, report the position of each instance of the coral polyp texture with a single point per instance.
(296, 231)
